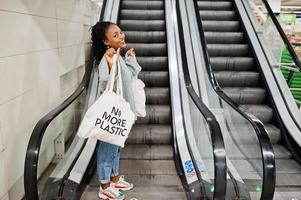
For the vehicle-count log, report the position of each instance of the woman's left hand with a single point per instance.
(131, 52)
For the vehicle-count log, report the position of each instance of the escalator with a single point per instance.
(158, 157)
(239, 73)
(148, 159)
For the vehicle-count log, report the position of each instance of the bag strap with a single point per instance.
(120, 89)
(110, 84)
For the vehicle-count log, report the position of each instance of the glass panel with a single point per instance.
(199, 138)
(242, 146)
(59, 138)
(276, 48)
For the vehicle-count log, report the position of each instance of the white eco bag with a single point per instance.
(139, 96)
(110, 118)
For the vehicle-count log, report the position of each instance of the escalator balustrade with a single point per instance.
(237, 72)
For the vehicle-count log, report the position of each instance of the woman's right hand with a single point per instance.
(109, 56)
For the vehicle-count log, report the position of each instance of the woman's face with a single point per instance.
(115, 38)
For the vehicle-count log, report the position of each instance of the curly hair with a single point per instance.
(98, 35)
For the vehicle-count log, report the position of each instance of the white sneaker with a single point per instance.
(122, 185)
(111, 193)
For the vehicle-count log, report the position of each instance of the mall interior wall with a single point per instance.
(45, 45)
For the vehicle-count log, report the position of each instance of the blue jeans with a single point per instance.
(108, 156)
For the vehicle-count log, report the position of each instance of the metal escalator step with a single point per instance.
(148, 167)
(263, 112)
(217, 15)
(288, 180)
(147, 0)
(146, 5)
(147, 152)
(146, 49)
(232, 63)
(158, 192)
(142, 25)
(237, 78)
(148, 189)
(142, 14)
(274, 133)
(145, 180)
(287, 166)
(213, 5)
(223, 50)
(281, 152)
(153, 63)
(221, 26)
(224, 37)
(157, 95)
(155, 180)
(154, 78)
(246, 95)
(150, 134)
(156, 114)
(145, 37)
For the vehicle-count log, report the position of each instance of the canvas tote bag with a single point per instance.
(139, 96)
(110, 118)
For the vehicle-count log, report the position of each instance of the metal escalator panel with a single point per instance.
(235, 69)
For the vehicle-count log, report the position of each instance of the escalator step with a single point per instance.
(274, 133)
(155, 180)
(287, 180)
(154, 78)
(147, 152)
(153, 63)
(221, 26)
(151, 192)
(157, 95)
(281, 152)
(212, 5)
(222, 50)
(150, 134)
(156, 114)
(263, 112)
(142, 14)
(145, 49)
(142, 25)
(245, 95)
(148, 167)
(149, 5)
(144, 167)
(217, 15)
(232, 63)
(288, 167)
(224, 37)
(145, 37)
(145, 181)
(145, 0)
(237, 78)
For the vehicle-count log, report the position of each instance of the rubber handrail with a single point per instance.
(268, 157)
(34, 145)
(218, 146)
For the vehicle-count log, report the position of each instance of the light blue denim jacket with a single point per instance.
(129, 68)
